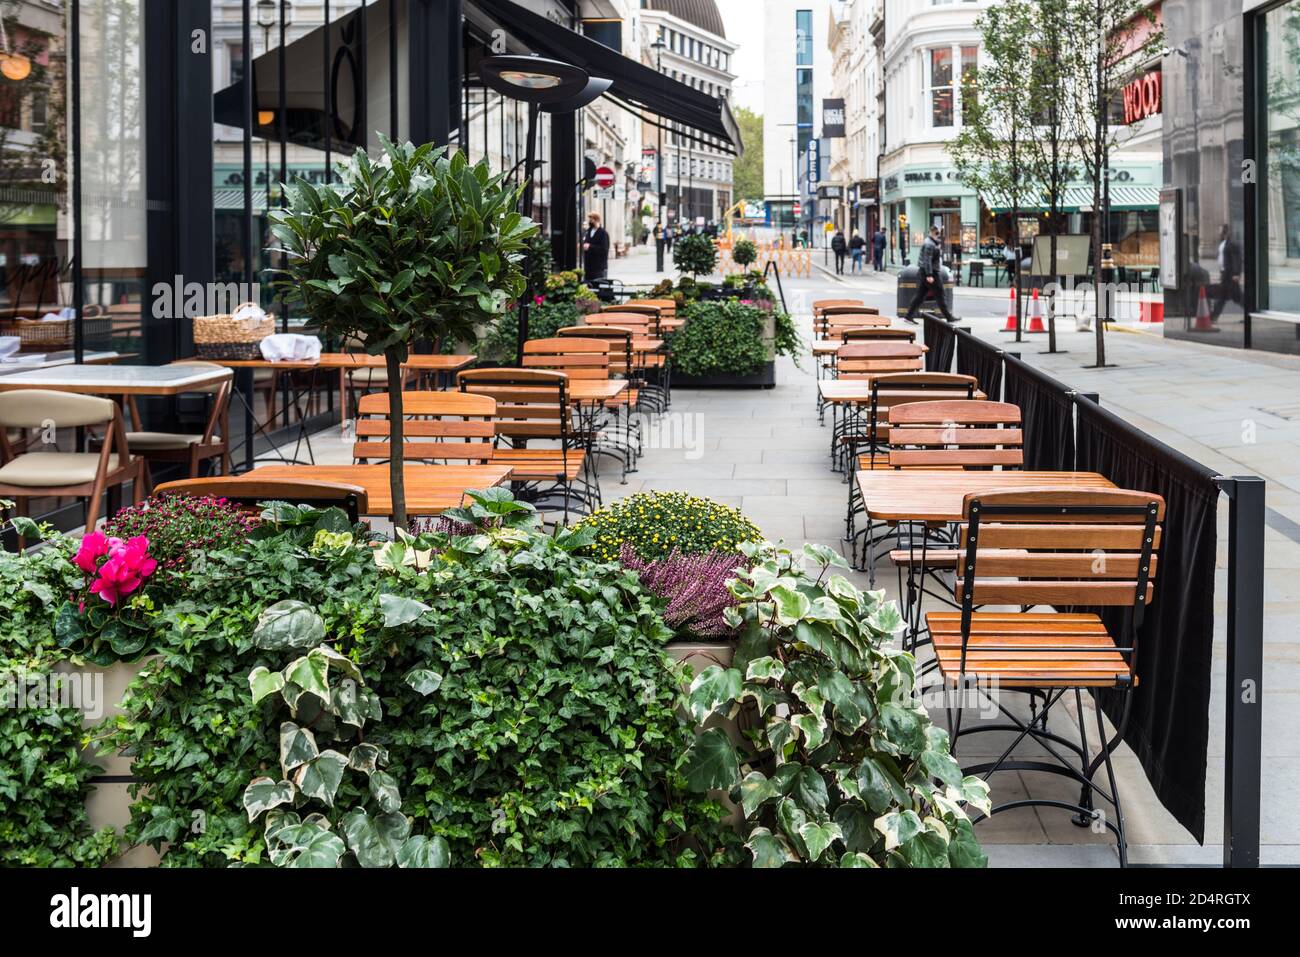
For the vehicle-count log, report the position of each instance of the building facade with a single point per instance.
(855, 80)
(686, 39)
(798, 72)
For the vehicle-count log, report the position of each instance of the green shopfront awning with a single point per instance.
(1078, 199)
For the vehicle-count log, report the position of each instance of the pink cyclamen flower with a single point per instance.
(93, 547)
(127, 567)
(538, 300)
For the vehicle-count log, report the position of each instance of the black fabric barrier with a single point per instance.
(942, 340)
(976, 357)
(1169, 725)
(1047, 415)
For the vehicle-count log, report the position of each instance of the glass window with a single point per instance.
(803, 31)
(1279, 199)
(940, 84)
(804, 97)
(969, 77)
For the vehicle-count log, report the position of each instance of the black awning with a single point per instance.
(635, 84)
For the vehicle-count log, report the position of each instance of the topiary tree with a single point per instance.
(744, 253)
(695, 254)
(418, 245)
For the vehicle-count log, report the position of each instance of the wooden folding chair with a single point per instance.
(533, 405)
(1029, 548)
(862, 360)
(85, 475)
(250, 493)
(441, 427)
(191, 449)
(624, 363)
(656, 369)
(876, 334)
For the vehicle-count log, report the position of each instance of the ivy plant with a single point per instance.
(842, 765)
(720, 338)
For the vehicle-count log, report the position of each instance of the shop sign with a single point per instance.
(1142, 97)
(833, 119)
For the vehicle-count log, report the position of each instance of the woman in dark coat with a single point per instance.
(595, 248)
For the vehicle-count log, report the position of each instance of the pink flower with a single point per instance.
(127, 567)
(538, 300)
(93, 547)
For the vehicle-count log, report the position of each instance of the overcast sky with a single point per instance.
(744, 23)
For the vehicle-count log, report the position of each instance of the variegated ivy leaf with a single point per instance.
(809, 790)
(308, 845)
(375, 840)
(310, 673)
(813, 727)
(400, 611)
(926, 849)
(780, 736)
(824, 555)
(423, 681)
(755, 790)
(886, 619)
(288, 624)
(857, 859)
(263, 682)
(345, 703)
(367, 757)
(711, 762)
(421, 851)
(844, 590)
(824, 608)
(297, 746)
(368, 705)
(764, 698)
(393, 555)
(383, 787)
(262, 794)
(899, 827)
(964, 849)
(975, 792)
(791, 604)
(792, 820)
(810, 695)
(817, 837)
(940, 765)
(712, 689)
(320, 778)
(339, 662)
(878, 787)
(766, 668)
(769, 850)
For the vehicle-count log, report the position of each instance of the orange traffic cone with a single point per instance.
(1203, 321)
(1011, 313)
(1036, 315)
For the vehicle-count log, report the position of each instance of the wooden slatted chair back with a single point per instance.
(643, 325)
(897, 388)
(578, 358)
(865, 359)
(955, 433)
(622, 360)
(849, 308)
(442, 427)
(531, 403)
(876, 334)
(1084, 548)
(831, 327)
(820, 306)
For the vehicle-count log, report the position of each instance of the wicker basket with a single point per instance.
(36, 334)
(225, 337)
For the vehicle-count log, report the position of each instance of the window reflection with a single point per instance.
(1281, 196)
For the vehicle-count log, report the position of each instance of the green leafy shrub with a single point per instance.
(720, 338)
(517, 694)
(696, 254)
(843, 767)
(744, 253)
(655, 524)
(44, 781)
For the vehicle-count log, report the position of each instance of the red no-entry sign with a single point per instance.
(604, 177)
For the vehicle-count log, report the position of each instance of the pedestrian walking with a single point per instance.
(878, 250)
(858, 248)
(595, 247)
(930, 281)
(839, 246)
(1229, 272)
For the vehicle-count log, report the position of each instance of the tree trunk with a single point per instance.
(396, 438)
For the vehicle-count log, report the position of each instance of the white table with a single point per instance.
(116, 380)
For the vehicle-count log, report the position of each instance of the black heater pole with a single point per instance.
(530, 159)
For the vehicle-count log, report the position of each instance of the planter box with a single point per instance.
(109, 805)
(763, 379)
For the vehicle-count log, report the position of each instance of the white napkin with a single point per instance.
(31, 358)
(9, 345)
(54, 317)
(288, 347)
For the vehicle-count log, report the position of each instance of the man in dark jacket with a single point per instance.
(839, 246)
(878, 249)
(595, 248)
(1229, 272)
(930, 281)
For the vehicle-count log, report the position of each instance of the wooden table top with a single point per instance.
(900, 495)
(859, 390)
(596, 390)
(430, 489)
(116, 380)
(353, 360)
(827, 348)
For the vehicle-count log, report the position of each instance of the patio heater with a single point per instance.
(545, 85)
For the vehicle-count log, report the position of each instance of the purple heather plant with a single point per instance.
(694, 586)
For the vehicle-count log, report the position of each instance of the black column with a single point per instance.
(564, 181)
(434, 52)
(178, 149)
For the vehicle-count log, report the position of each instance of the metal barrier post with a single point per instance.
(1243, 742)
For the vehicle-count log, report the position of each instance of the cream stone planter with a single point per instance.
(109, 805)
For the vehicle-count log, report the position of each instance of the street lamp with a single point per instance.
(545, 85)
(658, 46)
